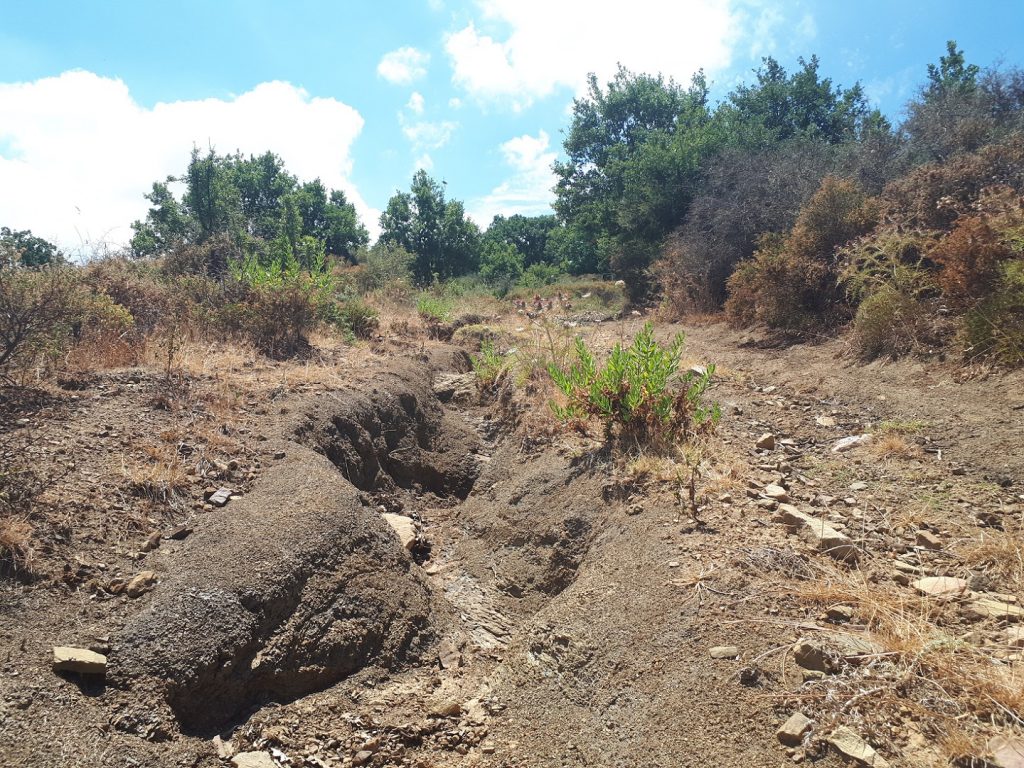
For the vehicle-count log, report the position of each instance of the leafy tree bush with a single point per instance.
(632, 395)
(501, 265)
(385, 267)
(538, 275)
(357, 317)
(39, 310)
(443, 241)
(32, 251)
(994, 327)
(792, 283)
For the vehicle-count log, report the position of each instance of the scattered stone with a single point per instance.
(362, 757)
(794, 729)
(724, 652)
(152, 542)
(766, 442)
(825, 421)
(220, 498)
(818, 533)
(447, 709)
(776, 492)
(85, 662)
(839, 613)
(140, 584)
(984, 608)
(448, 655)
(225, 749)
(1014, 637)
(811, 656)
(456, 387)
(940, 586)
(858, 486)
(1007, 751)
(404, 527)
(850, 744)
(253, 760)
(673, 564)
(487, 748)
(928, 540)
(635, 509)
(848, 443)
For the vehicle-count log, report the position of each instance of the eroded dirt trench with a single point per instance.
(408, 583)
(398, 540)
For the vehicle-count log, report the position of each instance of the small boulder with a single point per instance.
(724, 652)
(766, 442)
(986, 608)
(1007, 751)
(253, 760)
(848, 443)
(928, 540)
(794, 729)
(850, 744)
(776, 492)
(941, 587)
(140, 584)
(1014, 637)
(80, 660)
(818, 533)
(220, 498)
(455, 387)
(404, 527)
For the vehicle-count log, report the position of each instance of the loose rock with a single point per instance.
(852, 745)
(985, 608)
(1007, 751)
(724, 652)
(85, 662)
(253, 760)
(818, 533)
(940, 586)
(220, 498)
(404, 527)
(766, 442)
(928, 540)
(848, 443)
(794, 729)
(141, 584)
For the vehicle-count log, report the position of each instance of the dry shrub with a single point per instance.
(16, 536)
(39, 307)
(933, 196)
(163, 478)
(969, 258)
(792, 284)
(894, 446)
(1000, 556)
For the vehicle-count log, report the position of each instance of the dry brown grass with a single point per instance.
(16, 536)
(1000, 556)
(956, 688)
(163, 478)
(894, 446)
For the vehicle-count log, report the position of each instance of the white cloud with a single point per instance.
(424, 162)
(518, 51)
(77, 152)
(528, 190)
(538, 55)
(415, 103)
(403, 66)
(455, 102)
(426, 135)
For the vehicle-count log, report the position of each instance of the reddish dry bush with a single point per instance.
(969, 259)
(792, 284)
(934, 195)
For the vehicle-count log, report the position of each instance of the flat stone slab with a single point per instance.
(850, 744)
(818, 533)
(940, 586)
(80, 660)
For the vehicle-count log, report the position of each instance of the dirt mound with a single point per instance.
(396, 434)
(296, 586)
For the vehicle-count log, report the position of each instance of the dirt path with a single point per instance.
(551, 610)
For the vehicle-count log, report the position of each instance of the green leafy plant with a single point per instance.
(489, 365)
(435, 309)
(633, 394)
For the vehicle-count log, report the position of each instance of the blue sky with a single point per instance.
(99, 99)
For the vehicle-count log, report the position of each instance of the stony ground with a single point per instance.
(402, 570)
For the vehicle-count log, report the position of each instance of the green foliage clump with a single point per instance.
(488, 365)
(385, 267)
(538, 275)
(357, 317)
(435, 309)
(632, 394)
(994, 328)
(501, 266)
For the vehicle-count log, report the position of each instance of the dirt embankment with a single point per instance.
(546, 607)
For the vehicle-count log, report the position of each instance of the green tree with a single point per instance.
(29, 250)
(952, 74)
(501, 265)
(443, 241)
(527, 234)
